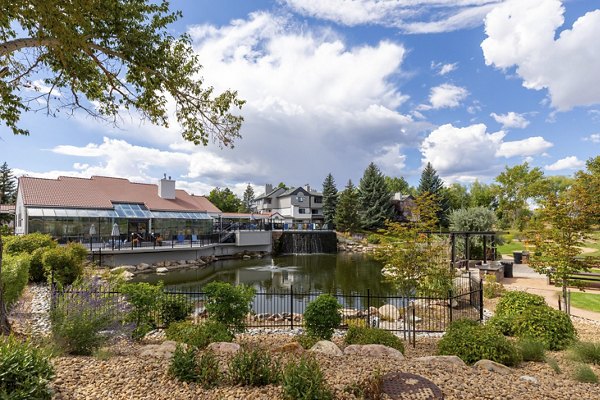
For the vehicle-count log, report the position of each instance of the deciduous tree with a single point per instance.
(224, 199)
(398, 185)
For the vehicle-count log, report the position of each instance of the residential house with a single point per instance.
(301, 205)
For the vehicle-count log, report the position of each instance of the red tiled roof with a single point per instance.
(101, 192)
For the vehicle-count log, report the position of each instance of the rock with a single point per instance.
(224, 347)
(261, 317)
(389, 312)
(326, 347)
(373, 350)
(182, 262)
(409, 319)
(200, 262)
(454, 303)
(373, 311)
(290, 348)
(349, 313)
(527, 378)
(127, 275)
(122, 268)
(449, 360)
(163, 350)
(246, 257)
(492, 366)
(297, 317)
(161, 270)
(143, 266)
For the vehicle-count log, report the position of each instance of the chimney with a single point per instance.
(268, 188)
(166, 188)
(307, 187)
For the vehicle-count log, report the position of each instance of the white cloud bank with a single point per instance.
(464, 154)
(412, 16)
(511, 120)
(445, 96)
(521, 33)
(571, 162)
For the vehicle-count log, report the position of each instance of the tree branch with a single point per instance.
(17, 44)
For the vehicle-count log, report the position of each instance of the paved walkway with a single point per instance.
(526, 279)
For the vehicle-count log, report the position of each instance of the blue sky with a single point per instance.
(471, 86)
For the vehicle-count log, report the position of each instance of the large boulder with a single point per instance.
(162, 270)
(373, 350)
(223, 347)
(326, 347)
(492, 366)
(389, 312)
(163, 350)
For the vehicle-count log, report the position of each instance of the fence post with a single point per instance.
(450, 305)
(369, 307)
(414, 327)
(292, 306)
(480, 300)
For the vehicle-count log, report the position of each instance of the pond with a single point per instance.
(332, 273)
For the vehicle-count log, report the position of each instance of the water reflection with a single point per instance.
(341, 273)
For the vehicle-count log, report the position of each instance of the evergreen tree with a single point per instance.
(347, 218)
(431, 183)
(247, 199)
(374, 198)
(8, 185)
(330, 200)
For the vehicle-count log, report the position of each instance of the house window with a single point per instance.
(318, 200)
(315, 210)
(302, 210)
(300, 199)
(267, 201)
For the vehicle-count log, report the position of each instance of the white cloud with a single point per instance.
(526, 147)
(522, 33)
(443, 69)
(594, 138)
(445, 96)
(463, 154)
(413, 16)
(511, 120)
(571, 162)
(391, 160)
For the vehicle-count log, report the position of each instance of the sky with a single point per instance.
(471, 86)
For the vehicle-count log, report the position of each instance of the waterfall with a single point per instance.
(309, 242)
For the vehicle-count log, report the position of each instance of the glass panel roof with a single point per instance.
(121, 211)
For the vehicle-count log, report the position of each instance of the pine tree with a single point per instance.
(431, 183)
(374, 198)
(8, 185)
(247, 199)
(347, 218)
(330, 201)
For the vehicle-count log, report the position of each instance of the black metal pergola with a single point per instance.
(466, 235)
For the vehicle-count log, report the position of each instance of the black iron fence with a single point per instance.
(284, 309)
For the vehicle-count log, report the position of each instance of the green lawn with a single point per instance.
(510, 247)
(586, 301)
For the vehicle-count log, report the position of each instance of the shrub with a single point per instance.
(25, 370)
(209, 374)
(78, 319)
(304, 380)
(503, 324)
(373, 239)
(531, 349)
(253, 368)
(370, 388)
(199, 335)
(27, 243)
(587, 352)
(64, 264)
(514, 302)
(322, 316)
(174, 307)
(15, 273)
(144, 299)
(491, 288)
(473, 342)
(553, 364)
(229, 304)
(583, 373)
(183, 364)
(552, 327)
(307, 341)
(356, 335)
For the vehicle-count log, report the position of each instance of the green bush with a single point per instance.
(553, 364)
(322, 316)
(305, 381)
(209, 374)
(78, 319)
(552, 327)
(174, 308)
(25, 371)
(503, 324)
(229, 304)
(358, 335)
(253, 368)
(64, 264)
(199, 335)
(587, 352)
(144, 299)
(27, 243)
(373, 239)
(472, 342)
(307, 341)
(531, 349)
(491, 288)
(583, 373)
(15, 274)
(514, 302)
(183, 364)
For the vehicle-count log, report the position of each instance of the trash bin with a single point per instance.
(518, 256)
(525, 259)
(508, 268)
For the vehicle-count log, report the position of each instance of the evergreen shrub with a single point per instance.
(322, 316)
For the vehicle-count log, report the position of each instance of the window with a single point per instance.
(302, 210)
(315, 211)
(267, 201)
(318, 200)
(299, 199)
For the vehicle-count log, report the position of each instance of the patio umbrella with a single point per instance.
(115, 230)
(92, 230)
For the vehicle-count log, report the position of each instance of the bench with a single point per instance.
(587, 277)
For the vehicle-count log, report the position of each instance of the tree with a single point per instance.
(105, 57)
(282, 186)
(8, 185)
(518, 185)
(247, 199)
(374, 198)
(397, 185)
(224, 199)
(330, 200)
(473, 219)
(482, 195)
(587, 186)
(347, 218)
(458, 196)
(431, 183)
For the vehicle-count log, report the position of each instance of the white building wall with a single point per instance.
(20, 215)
